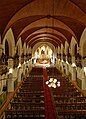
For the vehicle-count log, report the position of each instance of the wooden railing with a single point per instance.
(8, 99)
(3, 69)
(3, 98)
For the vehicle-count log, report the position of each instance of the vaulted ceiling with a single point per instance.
(51, 21)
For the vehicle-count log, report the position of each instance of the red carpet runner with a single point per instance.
(49, 107)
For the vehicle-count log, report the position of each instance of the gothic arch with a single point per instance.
(19, 46)
(83, 43)
(9, 37)
(66, 47)
(24, 49)
(72, 46)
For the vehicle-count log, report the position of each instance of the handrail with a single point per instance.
(75, 84)
(3, 69)
(9, 98)
(7, 78)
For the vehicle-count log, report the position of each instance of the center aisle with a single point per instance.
(49, 106)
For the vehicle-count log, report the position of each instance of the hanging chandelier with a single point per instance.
(53, 83)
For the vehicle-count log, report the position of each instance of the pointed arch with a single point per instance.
(9, 37)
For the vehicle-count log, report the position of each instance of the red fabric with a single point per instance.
(49, 107)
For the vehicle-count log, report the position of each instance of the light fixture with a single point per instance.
(10, 71)
(85, 70)
(67, 62)
(53, 83)
(62, 60)
(73, 65)
(59, 59)
(27, 61)
(19, 65)
(24, 62)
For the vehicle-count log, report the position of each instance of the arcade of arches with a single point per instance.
(42, 39)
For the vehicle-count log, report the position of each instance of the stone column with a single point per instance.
(66, 69)
(58, 64)
(30, 65)
(74, 74)
(84, 84)
(73, 59)
(84, 74)
(27, 66)
(20, 59)
(62, 66)
(10, 63)
(19, 74)
(84, 62)
(10, 83)
(0, 50)
(61, 56)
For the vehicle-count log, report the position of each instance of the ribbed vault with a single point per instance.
(32, 20)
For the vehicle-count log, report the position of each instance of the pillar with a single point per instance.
(27, 66)
(67, 69)
(73, 59)
(62, 66)
(0, 50)
(20, 59)
(58, 63)
(84, 75)
(19, 74)
(10, 83)
(30, 65)
(10, 63)
(84, 84)
(74, 74)
(24, 68)
(67, 65)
